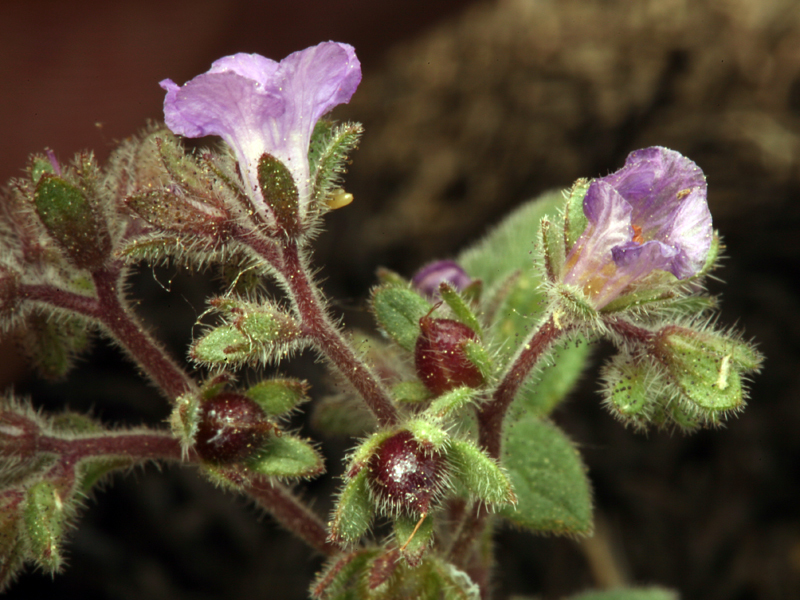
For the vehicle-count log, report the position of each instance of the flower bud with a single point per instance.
(405, 476)
(69, 218)
(428, 279)
(706, 366)
(230, 428)
(441, 361)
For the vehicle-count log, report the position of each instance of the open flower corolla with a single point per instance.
(650, 216)
(259, 106)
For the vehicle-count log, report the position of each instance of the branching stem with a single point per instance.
(286, 259)
(491, 414)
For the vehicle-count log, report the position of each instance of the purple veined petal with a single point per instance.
(250, 66)
(609, 226)
(651, 215)
(428, 279)
(657, 182)
(312, 81)
(260, 106)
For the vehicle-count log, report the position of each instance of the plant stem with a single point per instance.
(135, 445)
(107, 308)
(316, 323)
(464, 543)
(150, 356)
(491, 414)
(290, 512)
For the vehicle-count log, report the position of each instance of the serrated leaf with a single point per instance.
(287, 456)
(549, 479)
(649, 593)
(398, 311)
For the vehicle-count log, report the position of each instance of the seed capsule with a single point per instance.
(231, 428)
(405, 476)
(439, 355)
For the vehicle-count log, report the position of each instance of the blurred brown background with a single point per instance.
(469, 108)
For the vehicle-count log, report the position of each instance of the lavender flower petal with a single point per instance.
(261, 106)
(650, 215)
(428, 279)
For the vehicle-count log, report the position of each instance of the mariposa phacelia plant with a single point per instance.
(448, 407)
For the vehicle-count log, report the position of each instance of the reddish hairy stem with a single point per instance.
(109, 310)
(464, 543)
(318, 325)
(290, 512)
(144, 349)
(491, 414)
(138, 446)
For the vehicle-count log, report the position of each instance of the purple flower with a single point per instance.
(429, 277)
(261, 106)
(649, 216)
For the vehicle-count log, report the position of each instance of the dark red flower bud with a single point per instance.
(231, 428)
(405, 475)
(441, 362)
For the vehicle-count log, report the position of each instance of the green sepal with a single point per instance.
(361, 455)
(327, 155)
(450, 402)
(71, 221)
(254, 333)
(712, 259)
(413, 548)
(479, 474)
(428, 433)
(629, 388)
(460, 308)
(169, 211)
(507, 248)
(280, 193)
(389, 277)
(92, 470)
(354, 511)
(398, 311)
(44, 520)
(278, 397)
(73, 423)
(410, 392)
(40, 165)
(185, 419)
(573, 303)
(287, 456)
(477, 354)
(551, 240)
(575, 221)
(648, 593)
(549, 479)
(224, 345)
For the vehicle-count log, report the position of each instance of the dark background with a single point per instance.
(470, 108)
